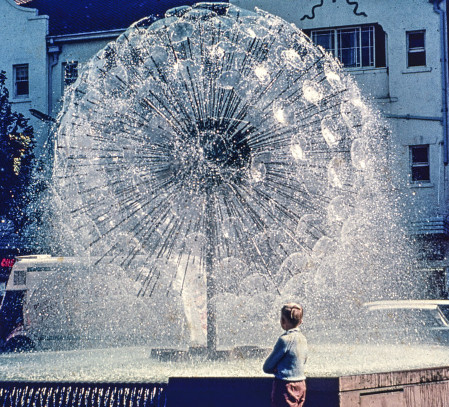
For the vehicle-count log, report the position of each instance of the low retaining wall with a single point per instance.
(413, 388)
(243, 392)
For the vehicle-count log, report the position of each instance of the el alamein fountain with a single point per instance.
(210, 166)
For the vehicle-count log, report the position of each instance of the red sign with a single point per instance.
(7, 262)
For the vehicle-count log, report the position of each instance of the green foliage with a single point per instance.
(16, 159)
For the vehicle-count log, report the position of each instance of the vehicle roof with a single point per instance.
(41, 259)
(409, 304)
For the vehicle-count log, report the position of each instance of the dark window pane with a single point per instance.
(420, 154)
(22, 88)
(348, 57)
(349, 39)
(325, 39)
(366, 57)
(420, 173)
(381, 60)
(349, 47)
(367, 36)
(416, 40)
(417, 58)
(368, 46)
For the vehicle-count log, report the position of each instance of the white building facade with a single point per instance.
(396, 50)
(24, 58)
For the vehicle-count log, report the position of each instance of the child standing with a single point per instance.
(287, 360)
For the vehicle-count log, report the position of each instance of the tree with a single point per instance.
(16, 159)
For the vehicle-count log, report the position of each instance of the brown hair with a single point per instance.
(292, 313)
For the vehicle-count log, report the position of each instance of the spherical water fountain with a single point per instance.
(211, 165)
(218, 153)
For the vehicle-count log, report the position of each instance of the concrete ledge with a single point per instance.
(389, 379)
(243, 392)
(414, 388)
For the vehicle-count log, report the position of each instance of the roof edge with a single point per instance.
(92, 35)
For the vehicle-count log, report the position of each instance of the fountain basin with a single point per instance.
(338, 375)
(413, 388)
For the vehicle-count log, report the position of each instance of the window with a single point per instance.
(355, 47)
(20, 277)
(420, 167)
(69, 72)
(21, 80)
(416, 51)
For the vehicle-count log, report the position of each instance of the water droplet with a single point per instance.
(339, 209)
(181, 31)
(262, 73)
(229, 80)
(297, 151)
(258, 171)
(359, 154)
(339, 173)
(312, 92)
(325, 246)
(291, 57)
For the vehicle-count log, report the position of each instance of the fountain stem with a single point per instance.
(210, 284)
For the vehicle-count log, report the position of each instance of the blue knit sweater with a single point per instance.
(288, 357)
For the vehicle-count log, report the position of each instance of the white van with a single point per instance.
(56, 303)
(29, 319)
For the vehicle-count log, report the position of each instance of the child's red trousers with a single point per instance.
(288, 394)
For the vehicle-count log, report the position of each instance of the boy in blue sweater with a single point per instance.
(287, 360)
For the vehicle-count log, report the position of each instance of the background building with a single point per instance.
(397, 52)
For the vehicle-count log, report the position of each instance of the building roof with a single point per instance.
(86, 16)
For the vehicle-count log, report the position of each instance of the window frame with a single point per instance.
(419, 164)
(337, 49)
(19, 80)
(416, 50)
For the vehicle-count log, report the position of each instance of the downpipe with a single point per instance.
(441, 13)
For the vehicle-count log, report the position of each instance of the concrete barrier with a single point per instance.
(413, 388)
(243, 392)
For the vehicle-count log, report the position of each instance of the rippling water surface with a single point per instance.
(135, 364)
